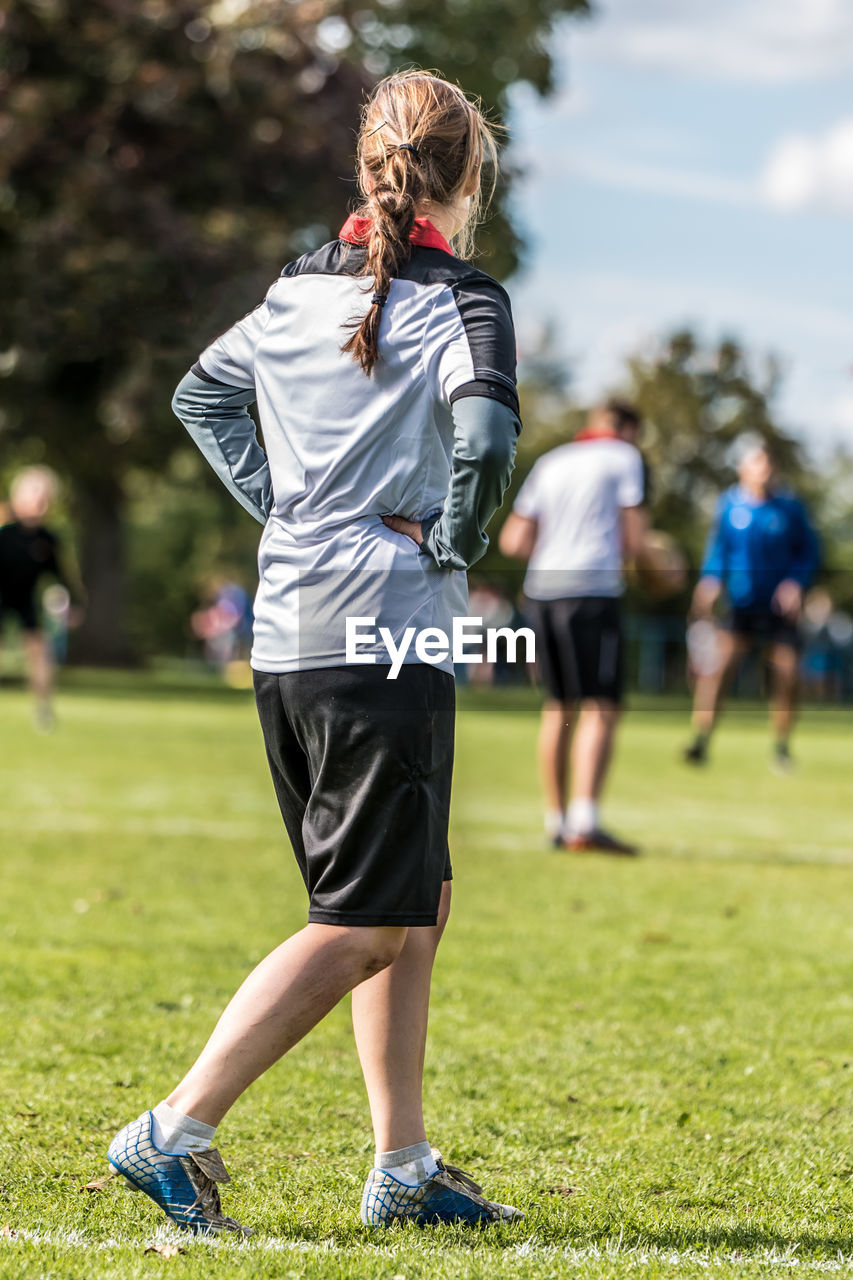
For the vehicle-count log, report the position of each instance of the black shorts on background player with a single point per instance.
(362, 767)
(26, 555)
(579, 647)
(762, 625)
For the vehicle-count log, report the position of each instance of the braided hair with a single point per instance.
(421, 144)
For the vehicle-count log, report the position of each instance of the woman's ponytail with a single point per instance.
(392, 215)
(422, 144)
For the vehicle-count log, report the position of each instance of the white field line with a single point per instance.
(530, 1250)
(64, 823)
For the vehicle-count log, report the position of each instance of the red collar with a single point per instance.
(356, 231)
(584, 436)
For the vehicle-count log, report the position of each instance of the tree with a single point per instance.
(696, 402)
(835, 514)
(161, 160)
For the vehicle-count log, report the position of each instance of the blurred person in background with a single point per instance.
(819, 667)
(578, 516)
(494, 609)
(224, 625)
(29, 553)
(827, 640)
(762, 553)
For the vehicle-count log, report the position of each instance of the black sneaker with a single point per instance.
(599, 841)
(696, 753)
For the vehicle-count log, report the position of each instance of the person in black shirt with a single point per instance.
(29, 553)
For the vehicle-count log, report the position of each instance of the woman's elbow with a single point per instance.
(182, 399)
(497, 457)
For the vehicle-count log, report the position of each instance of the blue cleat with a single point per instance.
(448, 1196)
(184, 1186)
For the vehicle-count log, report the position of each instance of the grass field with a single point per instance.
(652, 1058)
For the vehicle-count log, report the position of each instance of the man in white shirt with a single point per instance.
(578, 515)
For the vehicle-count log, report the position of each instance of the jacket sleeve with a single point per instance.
(805, 550)
(469, 356)
(217, 418)
(485, 431)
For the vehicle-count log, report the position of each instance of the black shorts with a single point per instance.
(579, 646)
(762, 625)
(21, 607)
(362, 767)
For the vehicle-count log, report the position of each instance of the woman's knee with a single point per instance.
(377, 946)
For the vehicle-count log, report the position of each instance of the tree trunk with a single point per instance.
(101, 640)
(93, 466)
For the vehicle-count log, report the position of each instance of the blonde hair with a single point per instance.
(422, 142)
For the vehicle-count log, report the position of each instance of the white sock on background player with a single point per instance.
(179, 1134)
(582, 816)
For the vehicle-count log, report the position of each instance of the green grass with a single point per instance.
(653, 1058)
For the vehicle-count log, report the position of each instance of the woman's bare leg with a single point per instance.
(389, 1014)
(281, 1000)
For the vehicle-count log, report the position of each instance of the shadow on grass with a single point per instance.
(534, 1237)
(840, 860)
(734, 1239)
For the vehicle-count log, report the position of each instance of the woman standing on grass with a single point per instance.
(383, 368)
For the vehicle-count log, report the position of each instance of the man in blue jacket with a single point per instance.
(763, 552)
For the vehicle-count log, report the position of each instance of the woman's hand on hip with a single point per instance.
(410, 528)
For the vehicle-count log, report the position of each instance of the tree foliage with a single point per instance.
(697, 401)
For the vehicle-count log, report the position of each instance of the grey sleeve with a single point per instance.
(216, 417)
(484, 441)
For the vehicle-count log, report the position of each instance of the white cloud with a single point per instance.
(754, 41)
(805, 171)
(801, 172)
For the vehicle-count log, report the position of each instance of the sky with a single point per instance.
(695, 165)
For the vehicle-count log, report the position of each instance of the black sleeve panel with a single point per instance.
(201, 372)
(486, 315)
(490, 390)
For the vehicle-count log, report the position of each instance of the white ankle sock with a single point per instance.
(582, 817)
(178, 1134)
(410, 1164)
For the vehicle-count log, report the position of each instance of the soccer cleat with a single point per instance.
(184, 1186)
(448, 1196)
(599, 841)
